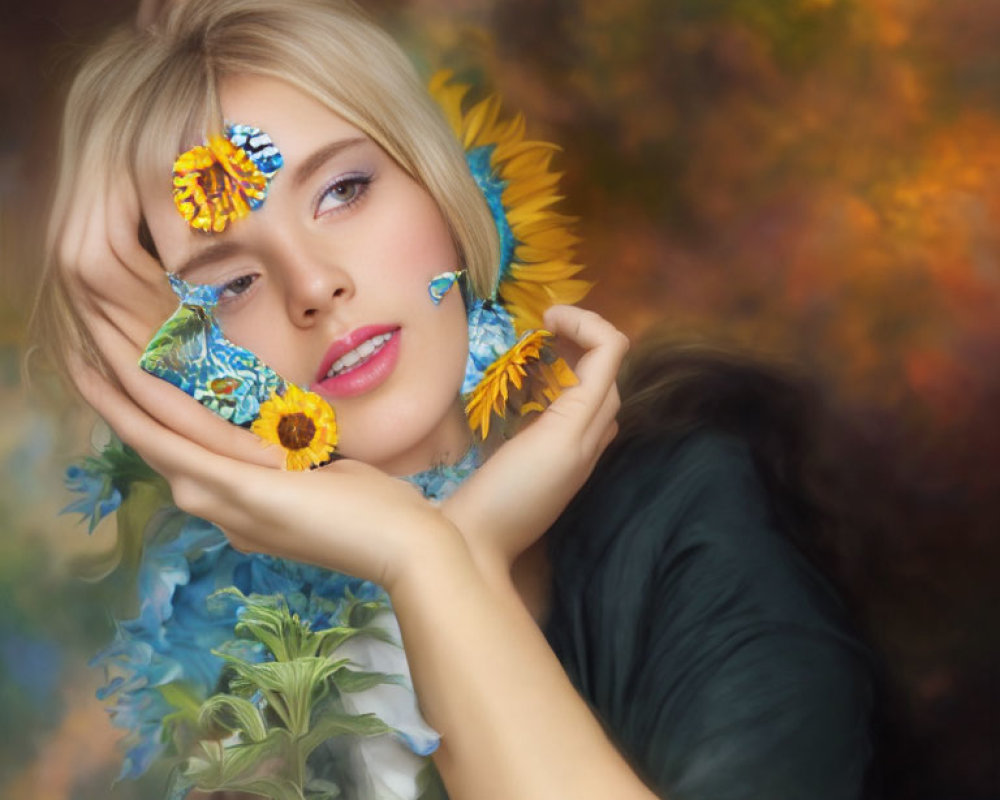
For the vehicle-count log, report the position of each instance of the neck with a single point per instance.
(447, 444)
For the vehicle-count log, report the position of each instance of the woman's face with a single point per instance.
(327, 281)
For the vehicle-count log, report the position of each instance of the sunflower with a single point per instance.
(494, 390)
(537, 263)
(216, 183)
(301, 422)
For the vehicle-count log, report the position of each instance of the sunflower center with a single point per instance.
(296, 431)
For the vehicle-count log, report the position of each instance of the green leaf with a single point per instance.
(123, 467)
(429, 783)
(360, 613)
(233, 714)
(287, 677)
(132, 519)
(348, 680)
(332, 638)
(331, 724)
(182, 698)
(268, 619)
(260, 767)
(320, 789)
(297, 683)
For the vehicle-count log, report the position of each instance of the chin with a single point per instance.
(408, 443)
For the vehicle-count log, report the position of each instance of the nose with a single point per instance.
(315, 284)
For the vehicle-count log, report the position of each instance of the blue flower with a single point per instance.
(317, 595)
(100, 495)
(441, 482)
(491, 334)
(480, 161)
(168, 646)
(172, 638)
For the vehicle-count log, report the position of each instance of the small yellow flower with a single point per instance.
(301, 422)
(216, 183)
(491, 395)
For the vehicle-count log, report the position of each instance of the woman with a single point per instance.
(707, 659)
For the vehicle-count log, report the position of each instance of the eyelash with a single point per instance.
(360, 183)
(226, 297)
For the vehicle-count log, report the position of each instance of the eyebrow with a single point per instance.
(324, 154)
(214, 252)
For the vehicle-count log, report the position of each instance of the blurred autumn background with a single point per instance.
(816, 181)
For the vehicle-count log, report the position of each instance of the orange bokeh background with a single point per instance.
(815, 181)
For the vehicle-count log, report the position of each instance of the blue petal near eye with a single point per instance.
(193, 294)
(440, 284)
(191, 352)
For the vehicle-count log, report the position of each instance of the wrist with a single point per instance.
(430, 546)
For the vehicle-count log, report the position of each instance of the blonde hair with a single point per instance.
(142, 96)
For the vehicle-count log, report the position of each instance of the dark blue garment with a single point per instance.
(721, 663)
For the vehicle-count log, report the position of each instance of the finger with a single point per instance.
(123, 221)
(162, 449)
(596, 370)
(101, 249)
(595, 432)
(203, 483)
(587, 328)
(603, 344)
(104, 289)
(123, 297)
(195, 475)
(175, 409)
(132, 271)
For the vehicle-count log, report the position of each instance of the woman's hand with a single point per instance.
(521, 490)
(121, 297)
(349, 516)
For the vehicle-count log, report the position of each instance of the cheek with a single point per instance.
(254, 328)
(420, 237)
(453, 338)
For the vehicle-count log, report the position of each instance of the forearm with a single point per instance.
(512, 725)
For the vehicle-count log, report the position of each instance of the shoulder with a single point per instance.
(667, 493)
(687, 512)
(718, 657)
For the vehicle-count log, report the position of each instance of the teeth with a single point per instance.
(359, 353)
(350, 359)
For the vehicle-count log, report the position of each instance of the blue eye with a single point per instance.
(342, 193)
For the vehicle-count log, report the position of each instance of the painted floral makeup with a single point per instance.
(190, 352)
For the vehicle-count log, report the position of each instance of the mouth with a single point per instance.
(358, 362)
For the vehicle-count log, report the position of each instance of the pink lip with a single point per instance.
(365, 375)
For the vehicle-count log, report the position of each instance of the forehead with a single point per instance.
(299, 126)
(294, 120)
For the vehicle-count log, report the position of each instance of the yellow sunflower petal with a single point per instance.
(302, 423)
(215, 184)
(493, 392)
(543, 239)
(481, 119)
(449, 96)
(543, 270)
